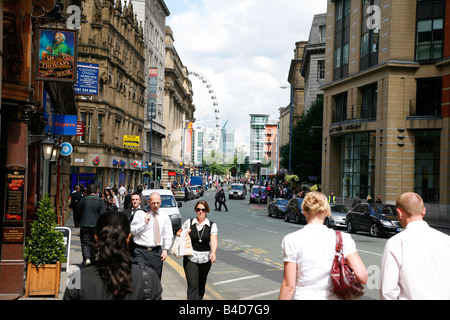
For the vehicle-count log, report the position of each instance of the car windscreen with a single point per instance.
(282, 202)
(168, 201)
(236, 187)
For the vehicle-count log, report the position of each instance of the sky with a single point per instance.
(244, 49)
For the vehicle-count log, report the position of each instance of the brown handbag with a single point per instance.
(343, 280)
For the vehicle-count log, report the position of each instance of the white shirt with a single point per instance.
(200, 256)
(416, 264)
(312, 249)
(143, 232)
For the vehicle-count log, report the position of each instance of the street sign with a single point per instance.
(131, 142)
(87, 79)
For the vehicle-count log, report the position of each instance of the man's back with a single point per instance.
(416, 264)
(90, 207)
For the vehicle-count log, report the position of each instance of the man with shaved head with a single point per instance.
(416, 262)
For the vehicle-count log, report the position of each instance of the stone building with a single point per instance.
(178, 114)
(110, 153)
(386, 101)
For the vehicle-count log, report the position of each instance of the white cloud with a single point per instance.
(244, 48)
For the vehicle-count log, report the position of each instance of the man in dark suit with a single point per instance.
(74, 198)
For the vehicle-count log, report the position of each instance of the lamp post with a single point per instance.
(48, 144)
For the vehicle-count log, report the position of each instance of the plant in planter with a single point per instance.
(44, 250)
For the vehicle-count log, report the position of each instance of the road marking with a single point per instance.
(237, 279)
(377, 254)
(242, 225)
(259, 295)
(267, 230)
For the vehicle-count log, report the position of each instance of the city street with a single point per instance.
(249, 259)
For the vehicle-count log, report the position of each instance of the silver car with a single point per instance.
(237, 191)
(338, 215)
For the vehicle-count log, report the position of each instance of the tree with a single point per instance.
(306, 153)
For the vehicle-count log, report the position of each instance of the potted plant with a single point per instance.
(44, 250)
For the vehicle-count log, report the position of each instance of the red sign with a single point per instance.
(172, 173)
(80, 128)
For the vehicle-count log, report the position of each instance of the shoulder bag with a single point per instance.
(343, 281)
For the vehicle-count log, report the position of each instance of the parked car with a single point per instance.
(294, 211)
(255, 195)
(338, 215)
(180, 194)
(378, 219)
(168, 205)
(196, 191)
(277, 208)
(237, 191)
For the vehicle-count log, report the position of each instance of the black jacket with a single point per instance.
(90, 285)
(90, 208)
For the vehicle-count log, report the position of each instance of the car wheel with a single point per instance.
(297, 219)
(270, 214)
(374, 230)
(286, 217)
(350, 227)
(327, 223)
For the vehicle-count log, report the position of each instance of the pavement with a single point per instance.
(173, 280)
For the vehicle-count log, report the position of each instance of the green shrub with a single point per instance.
(45, 245)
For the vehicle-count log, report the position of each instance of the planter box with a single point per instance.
(43, 280)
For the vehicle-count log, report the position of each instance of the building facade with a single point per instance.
(110, 152)
(257, 138)
(152, 15)
(178, 114)
(386, 101)
(313, 64)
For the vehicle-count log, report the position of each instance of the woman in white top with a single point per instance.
(309, 253)
(203, 233)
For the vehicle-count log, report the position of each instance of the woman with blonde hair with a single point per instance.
(309, 253)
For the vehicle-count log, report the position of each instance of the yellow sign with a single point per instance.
(131, 142)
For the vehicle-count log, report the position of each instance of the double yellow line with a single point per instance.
(179, 269)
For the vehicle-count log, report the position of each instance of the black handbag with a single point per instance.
(343, 281)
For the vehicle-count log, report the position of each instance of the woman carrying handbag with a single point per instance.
(203, 233)
(309, 254)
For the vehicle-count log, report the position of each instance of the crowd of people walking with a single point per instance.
(124, 251)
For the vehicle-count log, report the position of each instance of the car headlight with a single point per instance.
(386, 222)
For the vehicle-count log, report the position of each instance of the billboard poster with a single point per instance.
(57, 58)
(87, 79)
(152, 92)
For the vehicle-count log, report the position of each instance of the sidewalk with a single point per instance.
(173, 283)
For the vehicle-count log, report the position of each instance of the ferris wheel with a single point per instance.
(207, 113)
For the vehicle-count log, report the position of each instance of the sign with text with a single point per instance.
(87, 79)
(63, 125)
(57, 55)
(131, 142)
(15, 189)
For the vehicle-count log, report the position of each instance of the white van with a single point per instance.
(168, 205)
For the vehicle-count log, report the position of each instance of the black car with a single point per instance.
(294, 211)
(277, 208)
(378, 219)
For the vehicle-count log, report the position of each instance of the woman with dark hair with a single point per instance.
(203, 235)
(113, 276)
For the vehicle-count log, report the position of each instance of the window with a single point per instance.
(430, 30)
(358, 164)
(369, 102)
(427, 163)
(369, 37)
(99, 128)
(429, 97)
(86, 118)
(342, 38)
(340, 113)
(322, 34)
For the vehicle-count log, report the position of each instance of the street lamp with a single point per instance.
(48, 144)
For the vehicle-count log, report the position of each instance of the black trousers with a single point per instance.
(196, 276)
(86, 239)
(149, 258)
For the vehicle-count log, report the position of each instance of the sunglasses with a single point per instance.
(200, 209)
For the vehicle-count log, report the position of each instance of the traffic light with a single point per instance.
(158, 173)
(264, 177)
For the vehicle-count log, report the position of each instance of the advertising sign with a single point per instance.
(87, 79)
(131, 142)
(15, 190)
(57, 57)
(63, 125)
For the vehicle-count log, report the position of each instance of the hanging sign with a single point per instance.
(57, 55)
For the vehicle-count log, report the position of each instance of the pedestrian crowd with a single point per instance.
(124, 251)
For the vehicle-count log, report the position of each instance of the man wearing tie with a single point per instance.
(152, 235)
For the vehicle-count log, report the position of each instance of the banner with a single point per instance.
(131, 142)
(63, 125)
(57, 58)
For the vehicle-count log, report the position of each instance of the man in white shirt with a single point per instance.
(416, 262)
(152, 235)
